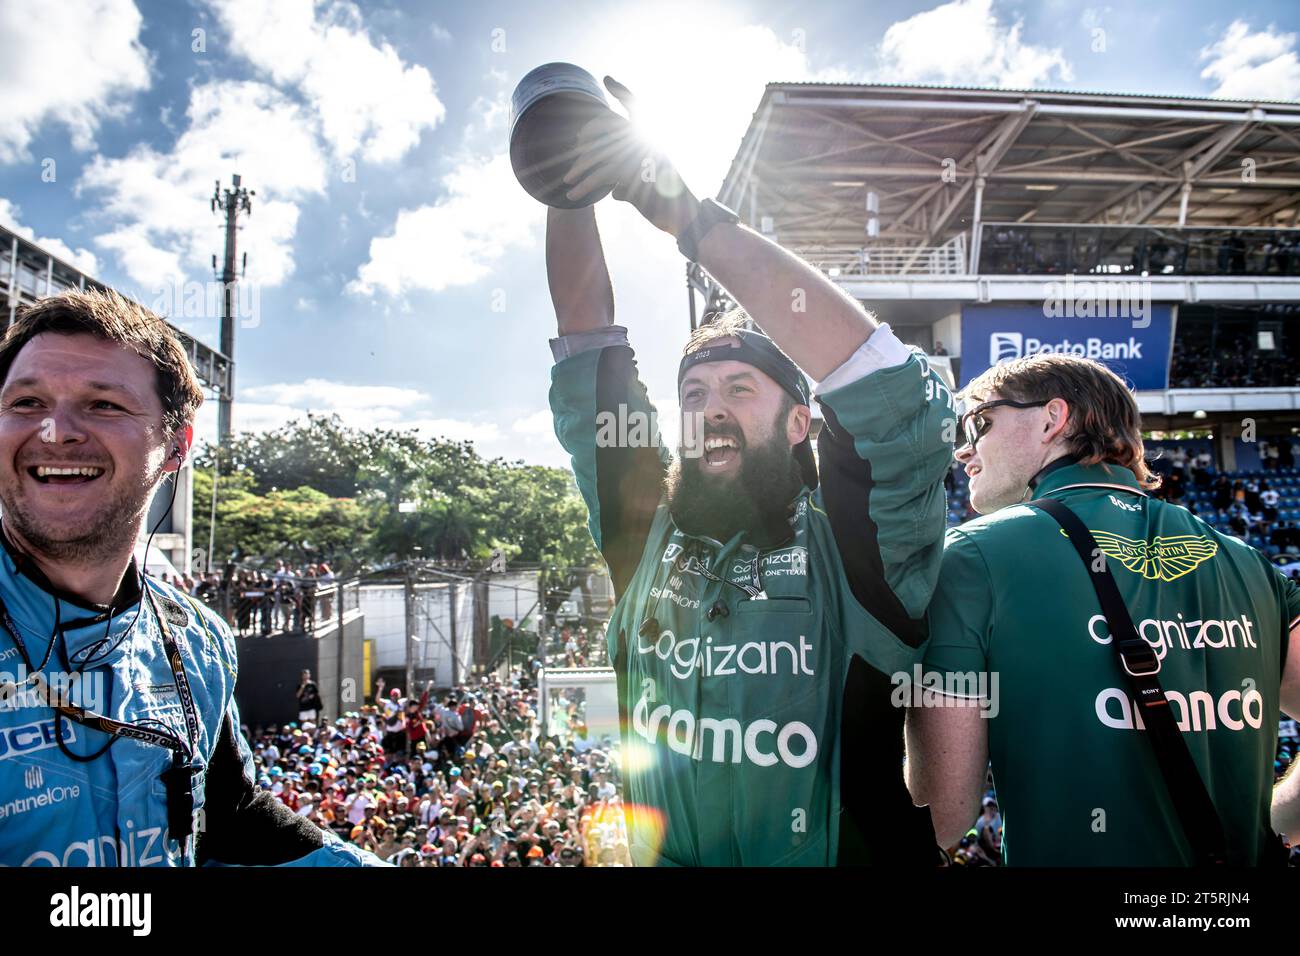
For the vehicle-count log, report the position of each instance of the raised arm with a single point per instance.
(576, 271)
(593, 385)
(810, 317)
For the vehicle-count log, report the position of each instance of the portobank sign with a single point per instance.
(1136, 351)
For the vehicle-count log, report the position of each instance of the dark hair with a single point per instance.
(114, 318)
(724, 326)
(1105, 423)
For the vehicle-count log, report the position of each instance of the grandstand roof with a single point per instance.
(813, 151)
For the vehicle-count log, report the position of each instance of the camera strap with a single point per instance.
(1196, 811)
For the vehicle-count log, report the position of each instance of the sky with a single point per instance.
(395, 271)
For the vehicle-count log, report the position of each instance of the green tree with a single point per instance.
(300, 524)
(383, 494)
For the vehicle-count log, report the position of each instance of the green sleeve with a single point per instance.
(961, 613)
(884, 452)
(605, 421)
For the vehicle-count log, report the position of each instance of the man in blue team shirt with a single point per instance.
(119, 734)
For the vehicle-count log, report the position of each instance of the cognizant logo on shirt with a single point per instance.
(688, 656)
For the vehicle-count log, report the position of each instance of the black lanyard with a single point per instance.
(754, 589)
(179, 777)
(650, 626)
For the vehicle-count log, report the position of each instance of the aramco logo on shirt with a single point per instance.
(761, 742)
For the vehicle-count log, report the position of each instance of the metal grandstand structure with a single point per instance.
(925, 203)
(29, 273)
(814, 151)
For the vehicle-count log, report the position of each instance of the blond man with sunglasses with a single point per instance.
(1127, 693)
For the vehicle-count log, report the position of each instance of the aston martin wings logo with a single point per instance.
(1164, 559)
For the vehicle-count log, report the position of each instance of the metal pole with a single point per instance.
(212, 520)
(543, 630)
(409, 591)
(690, 297)
(455, 659)
(227, 320)
(976, 227)
(342, 659)
(232, 202)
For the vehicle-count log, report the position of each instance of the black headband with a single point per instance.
(758, 350)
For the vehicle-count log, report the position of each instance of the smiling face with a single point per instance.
(1013, 448)
(82, 445)
(738, 406)
(747, 426)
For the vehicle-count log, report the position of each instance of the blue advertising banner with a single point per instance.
(1135, 347)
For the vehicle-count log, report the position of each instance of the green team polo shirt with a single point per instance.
(758, 728)
(1077, 781)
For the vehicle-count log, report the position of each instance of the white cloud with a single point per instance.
(265, 407)
(698, 116)
(322, 395)
(457, 240)
(539, 424)
(164, 227)
(368, 100)
(965, 43)
(74, 62)
(83, 259)
(1248, 65)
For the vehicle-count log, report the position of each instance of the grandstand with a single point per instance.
(1156, 233)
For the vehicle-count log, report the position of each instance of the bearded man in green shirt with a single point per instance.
(764, 597)
(1017, 629)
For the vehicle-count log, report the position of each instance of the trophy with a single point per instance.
(548, 108)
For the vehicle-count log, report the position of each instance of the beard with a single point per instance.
(100, 540)
(756, 500)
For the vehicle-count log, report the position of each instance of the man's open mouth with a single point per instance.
(719, 450)
(63, 475)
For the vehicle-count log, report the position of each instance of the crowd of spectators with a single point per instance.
(576, 646)
(1231, 362)
(1246, 507)
(455, 779)
(258, 601)
(1096, 251)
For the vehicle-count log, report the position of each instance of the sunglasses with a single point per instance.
(975, 424)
